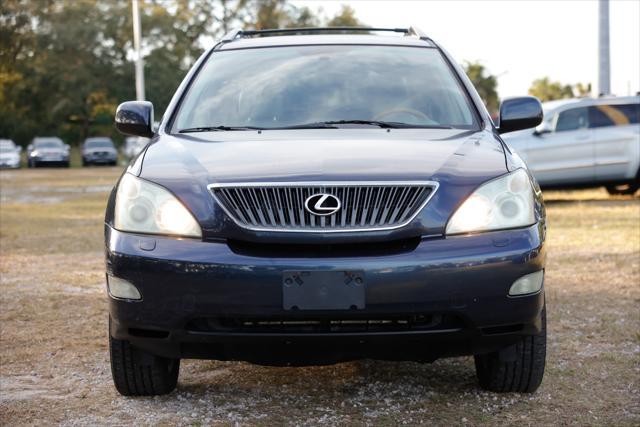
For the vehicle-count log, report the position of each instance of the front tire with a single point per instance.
(138, 373)
(521, 370)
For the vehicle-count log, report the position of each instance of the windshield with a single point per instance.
(50, 143)
(99, 143)
(7, 145)
(296, 85)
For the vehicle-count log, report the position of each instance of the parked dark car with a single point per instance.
(47, 151)
(312, 198)
(99, 150)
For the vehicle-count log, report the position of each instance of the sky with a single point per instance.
(519, 41)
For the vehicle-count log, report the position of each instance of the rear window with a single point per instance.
(296, 85)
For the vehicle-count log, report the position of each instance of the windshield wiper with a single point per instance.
(386, 125)
(216, 128)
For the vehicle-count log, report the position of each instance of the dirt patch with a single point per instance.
(54, 359)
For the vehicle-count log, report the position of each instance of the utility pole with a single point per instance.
(604, 59)
(138, 55)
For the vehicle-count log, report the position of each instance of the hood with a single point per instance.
(353, 154)
(459, 160)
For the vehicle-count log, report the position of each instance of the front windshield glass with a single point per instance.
(7, 145)
(295, 85)
(99, 143)
(49, 143)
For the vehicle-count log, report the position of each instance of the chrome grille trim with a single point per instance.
(279, 206)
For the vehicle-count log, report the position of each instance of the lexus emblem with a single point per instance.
(322, 204)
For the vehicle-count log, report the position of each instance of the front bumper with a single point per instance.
(100, 158)
(10, 163)
(50, 160)
(459, 282)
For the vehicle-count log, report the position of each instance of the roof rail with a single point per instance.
(319, 30)
(415, 31)
(239, 33)
(231, 35)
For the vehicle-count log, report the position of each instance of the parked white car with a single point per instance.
(133, 145)
(9, 154)
(585, 143)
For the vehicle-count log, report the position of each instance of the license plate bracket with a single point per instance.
(323, 290)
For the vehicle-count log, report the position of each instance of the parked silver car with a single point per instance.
(99, 150)
(585, 143)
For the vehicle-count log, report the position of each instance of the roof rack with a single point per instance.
(238, 33)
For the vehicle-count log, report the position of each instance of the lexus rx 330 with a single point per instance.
(312, 197)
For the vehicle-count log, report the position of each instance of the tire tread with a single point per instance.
(133, 378)
(523, 375)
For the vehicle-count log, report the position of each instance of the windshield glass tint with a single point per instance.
(48, 144)
(295, 85)
(99, 144)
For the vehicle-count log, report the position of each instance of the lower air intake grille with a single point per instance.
(325, 325)
(360, 206)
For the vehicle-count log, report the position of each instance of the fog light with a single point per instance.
(120, 288)
(528, 284)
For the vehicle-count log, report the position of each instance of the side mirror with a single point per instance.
(30, 147)
(519, 113)
(135, 118)
(19, 149)
(67, 147)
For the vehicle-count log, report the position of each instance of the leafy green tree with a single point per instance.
(546, 90)
(485, 83)
(345, 18)
(66, 64)
(582, 90)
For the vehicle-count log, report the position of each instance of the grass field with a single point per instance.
(54, 365)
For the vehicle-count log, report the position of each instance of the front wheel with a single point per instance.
(517, 369)
(138, 373)
(624, 189)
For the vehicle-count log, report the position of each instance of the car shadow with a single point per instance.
(343, 381)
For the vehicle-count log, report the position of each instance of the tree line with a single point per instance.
(66, 64)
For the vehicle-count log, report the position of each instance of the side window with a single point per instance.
(614, 115)
(598, 117)
(631, 111)
(574, 119)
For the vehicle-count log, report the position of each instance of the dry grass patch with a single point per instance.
(54, 359)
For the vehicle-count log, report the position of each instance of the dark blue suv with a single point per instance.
(323, 195)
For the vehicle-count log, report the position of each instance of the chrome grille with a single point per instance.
(364, 205)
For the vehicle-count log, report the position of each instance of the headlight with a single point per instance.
(148, 208)
(34, 153)
(505, 202)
